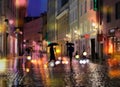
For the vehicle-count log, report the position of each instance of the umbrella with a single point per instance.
(69, 43)
(53, 44)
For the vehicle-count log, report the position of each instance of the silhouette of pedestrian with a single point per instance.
(52, 55)
(71, 50)
(67, 47)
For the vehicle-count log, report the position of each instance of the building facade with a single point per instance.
(88, 25)
(62, 23)
(111, 27)
(58, 23)
(51, 21)
(14, 14)
(74, 24)
(34, 35)
(92, 25)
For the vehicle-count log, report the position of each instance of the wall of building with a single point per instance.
(51, 20)
(33, 32)
(111, 23)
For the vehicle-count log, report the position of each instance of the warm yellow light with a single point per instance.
(114, 73)
(110, 49)
(27, 70)
(3, 65)
(45, 65)
(95, 25)
(2, 28)
(77, 56)
(75, 31)
(58, 51)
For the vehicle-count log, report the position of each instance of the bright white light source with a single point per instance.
(84, 61)
(57, 62)
(77, 56)
(84, 53)
(52, 64)
(29, 57)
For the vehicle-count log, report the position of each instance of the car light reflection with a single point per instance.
(65, 62)
(85, 61)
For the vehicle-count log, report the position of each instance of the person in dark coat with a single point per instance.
(71, 50)
(67, 48)
(52, 55)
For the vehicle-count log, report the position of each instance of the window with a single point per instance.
(117, 10)
(85, 6)
(108, 16)
(91, 4)
(81, 10)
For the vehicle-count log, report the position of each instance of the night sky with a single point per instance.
(35, 7)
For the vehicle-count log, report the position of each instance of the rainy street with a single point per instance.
(40, 74)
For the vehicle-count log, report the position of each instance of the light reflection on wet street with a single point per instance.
(40, 74)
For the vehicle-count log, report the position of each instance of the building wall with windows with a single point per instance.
(111, 26)
(14, 16)
(51, 21)
(62, 23)
(34, 39)
(74, 24)
(88, 31)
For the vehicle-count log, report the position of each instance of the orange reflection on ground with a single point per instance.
(113, 62)
(114, 73)
(44, 71)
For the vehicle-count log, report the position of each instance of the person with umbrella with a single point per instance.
(52, 54)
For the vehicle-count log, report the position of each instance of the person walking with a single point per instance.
(52, 54)
(70, 51)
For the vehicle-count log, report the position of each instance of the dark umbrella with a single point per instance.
(53, 44)
(69, 43)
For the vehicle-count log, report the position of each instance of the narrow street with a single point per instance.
(41, 74)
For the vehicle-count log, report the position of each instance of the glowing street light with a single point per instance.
(20, 3)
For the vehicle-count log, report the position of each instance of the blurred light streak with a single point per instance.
(44, 71)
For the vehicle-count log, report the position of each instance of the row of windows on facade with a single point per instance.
(117, 12)
(83, 7)
(73, 13)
